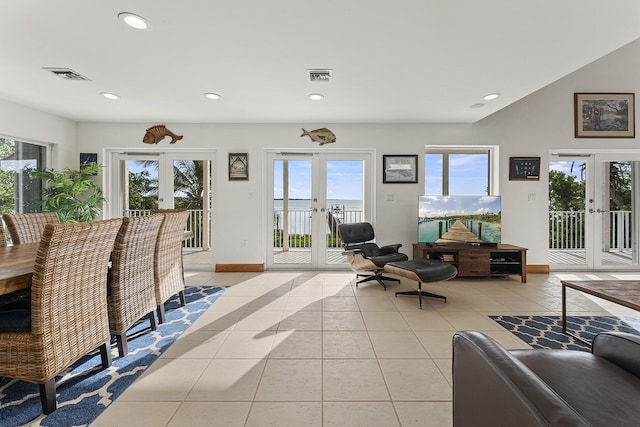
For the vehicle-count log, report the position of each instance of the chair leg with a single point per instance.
(161, 317)
(105, 355)
(48, 396)
(183, 301)
(153, 320)
(421, 293)
(121, 342)
(378, 277)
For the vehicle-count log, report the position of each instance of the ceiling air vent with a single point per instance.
(65, 73)
(323, 76)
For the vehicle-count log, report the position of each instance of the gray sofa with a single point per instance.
(495, 387)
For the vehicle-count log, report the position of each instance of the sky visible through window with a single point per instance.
(574, 168)
(344, 179)
(468, 174)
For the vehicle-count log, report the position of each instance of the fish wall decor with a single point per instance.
(321, 136)
(157, 133)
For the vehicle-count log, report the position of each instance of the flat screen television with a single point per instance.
(459, 219)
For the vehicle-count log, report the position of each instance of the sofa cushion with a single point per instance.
(600, 391)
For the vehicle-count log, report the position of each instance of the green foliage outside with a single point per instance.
(7, 178)
(72, 194)
(187, 182)
(143, 191)
(567, 194)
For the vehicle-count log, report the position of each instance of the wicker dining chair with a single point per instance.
(28, 228)
(169, 273)
(68, 315)
(3, 237)
(131, 287)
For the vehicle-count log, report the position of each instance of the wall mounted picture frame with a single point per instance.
(88, 159)
(604, 115)
(238, 167)
(524, 168)
(400, 169)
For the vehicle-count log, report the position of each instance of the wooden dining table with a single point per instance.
(16, 266)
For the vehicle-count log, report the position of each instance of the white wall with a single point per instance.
(30, 125)
(239, 205)
(534, 126)
(542, 123)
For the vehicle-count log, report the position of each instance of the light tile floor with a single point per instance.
(311, 349)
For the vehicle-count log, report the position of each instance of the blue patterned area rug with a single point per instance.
(546, 331)
(84, 391)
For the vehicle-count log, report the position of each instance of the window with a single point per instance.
(459, 171)
(19, 192)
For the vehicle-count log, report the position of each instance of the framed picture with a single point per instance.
(604, 115)
(238, 166)
(87, 159)
(524, 168)
(399, 169)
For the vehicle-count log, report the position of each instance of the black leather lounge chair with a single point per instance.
(365, 257)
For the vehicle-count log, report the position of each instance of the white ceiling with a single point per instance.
(394, 61)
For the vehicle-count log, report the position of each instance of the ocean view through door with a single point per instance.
(309, 195)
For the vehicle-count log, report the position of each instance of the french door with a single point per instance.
(599, 232)
(147, 180)
(308, 195)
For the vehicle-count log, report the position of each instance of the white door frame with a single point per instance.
(593, 199)
(113, 181)
(317, 157)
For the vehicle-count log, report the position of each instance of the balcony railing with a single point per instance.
(195, 224)
(299, 227)
(566, 230)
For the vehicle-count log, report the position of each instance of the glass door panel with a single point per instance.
(142, 191)
(593, 213)
(568, 221)
(171, 180)
(292, 211)
(345, 203)
(309, 194)
(615, 213)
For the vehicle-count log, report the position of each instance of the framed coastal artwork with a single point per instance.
(238, 166)
(604, 115)
(400, 168)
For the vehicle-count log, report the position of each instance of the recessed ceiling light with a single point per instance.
(109, 95)
(478, 105)
(490, 96)
(316, 96)
(212, 95)
(134, 21)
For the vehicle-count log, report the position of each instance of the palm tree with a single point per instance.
(188, 184)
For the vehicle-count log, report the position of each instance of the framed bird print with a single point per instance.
(238, 167)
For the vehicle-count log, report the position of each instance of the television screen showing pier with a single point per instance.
(459, 219)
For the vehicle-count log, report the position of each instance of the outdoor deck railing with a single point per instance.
(566, 230)
(195, 224)
(299, 227)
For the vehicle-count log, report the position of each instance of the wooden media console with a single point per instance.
(473, 260)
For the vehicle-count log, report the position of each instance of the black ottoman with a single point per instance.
(422, 270)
